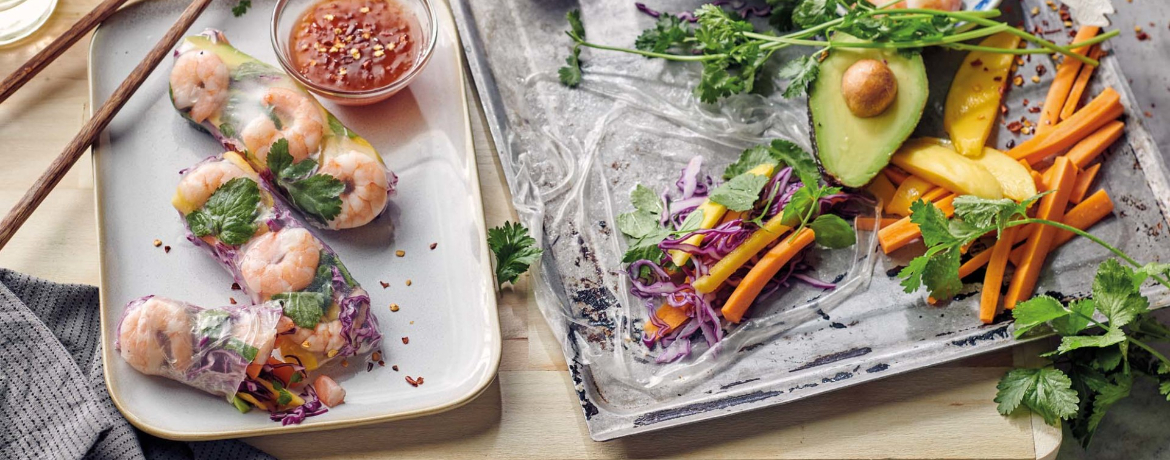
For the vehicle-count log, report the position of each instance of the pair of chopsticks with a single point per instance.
(92, 128)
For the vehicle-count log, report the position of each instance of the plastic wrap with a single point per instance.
(206, 348)
(261, 105)
(283, 261)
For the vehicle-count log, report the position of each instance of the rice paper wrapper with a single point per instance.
(206, 348)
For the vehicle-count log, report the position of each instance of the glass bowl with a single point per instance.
(285, 16)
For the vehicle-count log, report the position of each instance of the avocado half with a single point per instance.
(850, 149)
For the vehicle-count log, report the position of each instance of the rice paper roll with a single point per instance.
(329, 173)
(206, 348)
(232, 213)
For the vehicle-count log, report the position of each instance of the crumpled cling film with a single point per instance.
(206, 348)
(1090, 12)
(248, 82)
(283, 261)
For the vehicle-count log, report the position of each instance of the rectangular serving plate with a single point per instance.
(878, 332)
(423, 133)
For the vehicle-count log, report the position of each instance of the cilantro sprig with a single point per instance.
(733, 53)
(1106, 340)
(515, 251)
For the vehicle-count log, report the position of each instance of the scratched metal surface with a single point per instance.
(571, 157)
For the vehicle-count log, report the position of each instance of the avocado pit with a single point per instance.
(869, 88)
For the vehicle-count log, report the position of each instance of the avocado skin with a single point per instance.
(873, 151)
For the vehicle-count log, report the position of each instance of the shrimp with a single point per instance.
(329, 391)
(325, 338)
(199, 84)
(198, 185)
(155, 336)
(366, 188)
(303, 130)
(281, 261)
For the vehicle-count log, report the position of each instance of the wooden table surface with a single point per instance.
(530, 410)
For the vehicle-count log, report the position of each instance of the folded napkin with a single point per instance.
(53, 399)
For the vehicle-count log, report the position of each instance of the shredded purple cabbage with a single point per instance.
(311, 407)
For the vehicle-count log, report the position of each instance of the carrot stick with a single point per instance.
(1104, 108)
(1078, 88)
(936, 194)
(1063, 82)
(1064, 174)
(253, 370)
(1090, 211)
(903, 231)
(672, 316)
(871, 223)
(993, 279)
(895, 175)
(745, 294)
(1084, 180)
(1089, 148)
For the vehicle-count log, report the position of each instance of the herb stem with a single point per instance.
(669, 57)
(1091, 237)
(1150, 349)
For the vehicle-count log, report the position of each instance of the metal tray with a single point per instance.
(571, 156)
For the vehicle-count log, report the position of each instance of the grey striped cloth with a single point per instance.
(53, 400)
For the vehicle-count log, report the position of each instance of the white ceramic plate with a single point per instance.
(449, 311)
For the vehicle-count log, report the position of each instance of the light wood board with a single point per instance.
(531, 410)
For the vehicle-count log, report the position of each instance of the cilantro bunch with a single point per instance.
(515, 251)
(733, 52)
(1106, 340)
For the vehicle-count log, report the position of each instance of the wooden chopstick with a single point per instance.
(38, 62)
(92, 128)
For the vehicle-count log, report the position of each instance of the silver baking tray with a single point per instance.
(571, 156)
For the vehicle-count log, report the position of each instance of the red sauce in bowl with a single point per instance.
(354, 45)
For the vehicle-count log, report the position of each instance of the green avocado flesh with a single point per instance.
(852, 149)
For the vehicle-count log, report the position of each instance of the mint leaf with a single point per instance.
(1077, 321)
(800, 72)
(740, 193)
(1046, 391)
(644, 199)
(1115, 294)
(748, 160)
(245, 351)
(833, 232)
(1073, 342)
(210, 323)
(1037, 311)
(515, 251)
(304, 308)
(229, 214)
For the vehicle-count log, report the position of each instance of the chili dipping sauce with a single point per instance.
(354, 45)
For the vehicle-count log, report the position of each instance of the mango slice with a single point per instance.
(942, 166)
(974, 98)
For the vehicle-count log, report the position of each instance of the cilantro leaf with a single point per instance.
(1072, 342)
(749, 159)
(230, 213)
(304, 308)
(1149, 270)
(1107, 397)
(737, 58)
(811, 13)
(339, 129)
(1037, 311)
(911, 274)
(669, 31)
(833, 232)
(941, 275)
(1115, 294)
(800, 72)
(515, 251)
(984, 213)
(570, 74)
(788, 153)
(740, 193)
(1046, 391)
(644, 220)
(241, 8)
(932, 222)
(245, 351)
(1077, 321)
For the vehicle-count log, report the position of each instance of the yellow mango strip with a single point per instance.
(771, 231)
(973, 101)
(882, 188)
(712, 215)
(911, 190)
